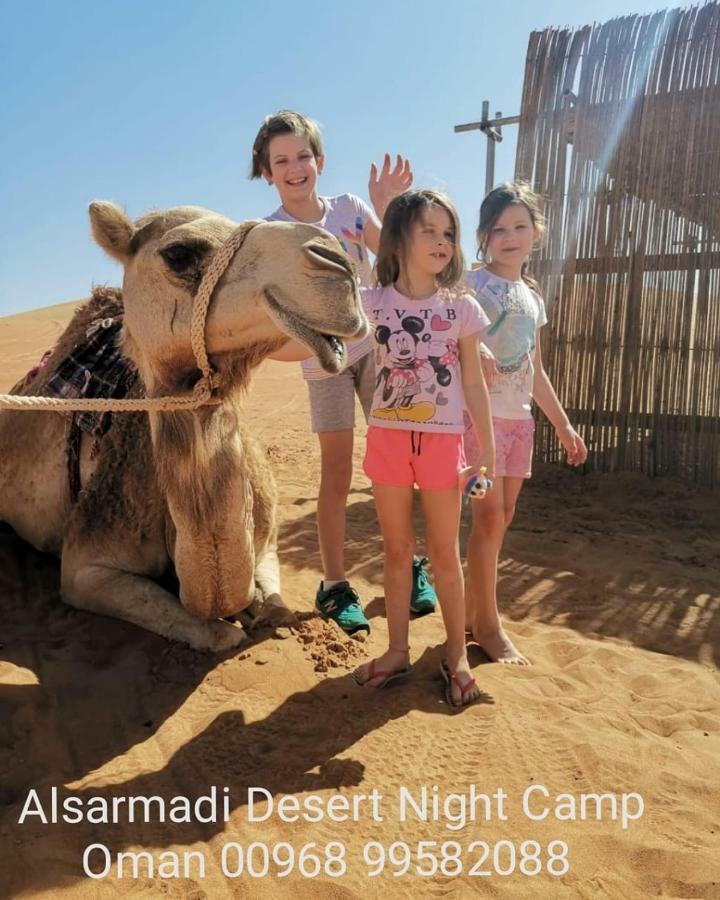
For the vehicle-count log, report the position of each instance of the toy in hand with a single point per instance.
(475, 484)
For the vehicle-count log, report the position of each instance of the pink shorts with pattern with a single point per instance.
(513, 446)
(400, 458)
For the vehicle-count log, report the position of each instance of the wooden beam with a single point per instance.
(664, 262)
(488, 123)
(613, 418)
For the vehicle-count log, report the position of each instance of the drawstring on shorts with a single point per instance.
(418, 451)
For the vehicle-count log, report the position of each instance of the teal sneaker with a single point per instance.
(423, 598)
(342, 604)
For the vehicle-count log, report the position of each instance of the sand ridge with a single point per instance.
(611, 585)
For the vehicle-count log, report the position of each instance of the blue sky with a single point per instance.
(155, 104)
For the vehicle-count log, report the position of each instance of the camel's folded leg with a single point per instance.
(133, 598)
(268, 604)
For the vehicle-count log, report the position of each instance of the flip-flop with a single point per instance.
(386, 676)
(451, 678)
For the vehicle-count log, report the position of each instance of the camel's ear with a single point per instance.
(112, 229)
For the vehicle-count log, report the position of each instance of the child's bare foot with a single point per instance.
(460, 686)
(384, 669)
(498, 646)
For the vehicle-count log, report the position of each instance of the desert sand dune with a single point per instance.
(611, 585)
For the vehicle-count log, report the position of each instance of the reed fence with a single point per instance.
(620, 133)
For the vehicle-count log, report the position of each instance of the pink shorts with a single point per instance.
(402, 458)
(513, 446)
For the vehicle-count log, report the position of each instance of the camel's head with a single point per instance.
(285, 280)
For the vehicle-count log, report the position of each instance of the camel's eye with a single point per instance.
(181, 257)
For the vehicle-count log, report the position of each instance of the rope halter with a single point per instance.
(202, 393)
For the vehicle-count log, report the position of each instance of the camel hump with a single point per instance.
(104, 303)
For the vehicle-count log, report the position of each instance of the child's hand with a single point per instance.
(485, 465)
(488, 364)
(382, 188)
(475, 481)
(574, 445)
(486, 462)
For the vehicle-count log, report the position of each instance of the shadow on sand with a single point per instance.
(639, 558)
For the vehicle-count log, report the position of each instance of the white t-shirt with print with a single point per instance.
(417, 366)
(515, 312)
(345, 217)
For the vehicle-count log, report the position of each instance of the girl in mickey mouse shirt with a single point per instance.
(427, 371)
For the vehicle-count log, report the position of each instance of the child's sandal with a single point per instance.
(451, 678)
(386, 676)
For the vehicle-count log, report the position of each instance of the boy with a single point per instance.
(288, 154)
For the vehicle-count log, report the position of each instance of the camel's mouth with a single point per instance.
(329, 349)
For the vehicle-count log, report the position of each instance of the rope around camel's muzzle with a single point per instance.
(202, 392)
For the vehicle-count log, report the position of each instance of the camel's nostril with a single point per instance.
(321, 254)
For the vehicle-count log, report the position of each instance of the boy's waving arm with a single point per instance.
(382, 187)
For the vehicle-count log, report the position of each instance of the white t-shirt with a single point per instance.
(515, 312)
(344, 217)
(417, 364)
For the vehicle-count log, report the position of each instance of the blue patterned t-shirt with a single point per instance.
(515, 312)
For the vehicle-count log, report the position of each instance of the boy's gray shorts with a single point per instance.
(332, 400)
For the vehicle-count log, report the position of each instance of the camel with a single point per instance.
(182, 498)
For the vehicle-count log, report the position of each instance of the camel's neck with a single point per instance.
(178, 373)
(201, 469)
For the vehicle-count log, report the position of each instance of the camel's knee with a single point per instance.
(141, 601)
(80, 585)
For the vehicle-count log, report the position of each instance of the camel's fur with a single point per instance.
(188, 491)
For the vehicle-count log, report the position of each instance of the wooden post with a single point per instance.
(492, 129)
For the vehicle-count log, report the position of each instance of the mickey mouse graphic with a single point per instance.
(404, 371)
(443, 355)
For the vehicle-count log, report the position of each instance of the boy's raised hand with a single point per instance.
(389, 183)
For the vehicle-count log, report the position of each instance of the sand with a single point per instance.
(611, 585)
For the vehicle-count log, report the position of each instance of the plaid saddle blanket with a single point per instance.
(94, 368)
